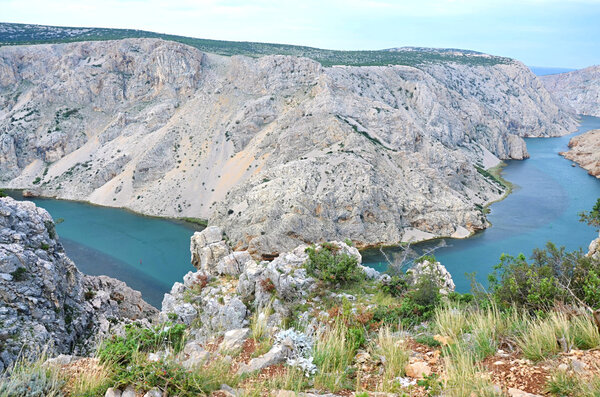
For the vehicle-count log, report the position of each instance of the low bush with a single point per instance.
(121, 349)
(539, 284)
(328, 264)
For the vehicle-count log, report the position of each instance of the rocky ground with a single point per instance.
(276, 150)
(578, 90)
(46, 303)
(584, 149)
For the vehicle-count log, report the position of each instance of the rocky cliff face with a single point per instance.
(585, 151)
(44, 300)
(277, 150)
(578, 90)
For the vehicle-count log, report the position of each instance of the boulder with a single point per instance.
(208, 248)
(112, 392)
(512, 392)
(194, 355)
(435, 271)
(234, 339)
(417, 370)
(278, 354)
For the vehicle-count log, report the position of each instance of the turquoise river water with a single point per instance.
(150, 254)
(544, 205)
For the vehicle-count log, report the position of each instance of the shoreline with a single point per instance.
(197, 224)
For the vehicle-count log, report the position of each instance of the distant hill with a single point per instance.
(16, 34)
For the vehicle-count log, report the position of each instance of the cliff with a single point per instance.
(585, 151)
(578, 90)
(45, 302)
(277, 150)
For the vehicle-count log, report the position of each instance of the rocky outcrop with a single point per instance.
(44, 300)
(578, 90)
(277, 150)
(585, 151)
(220, 301)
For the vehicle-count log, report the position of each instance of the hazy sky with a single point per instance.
(561, 33)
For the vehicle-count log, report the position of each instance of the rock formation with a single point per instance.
(218, 296)
(276, 150)
(578, 90)
(44, 300)
(585, 151)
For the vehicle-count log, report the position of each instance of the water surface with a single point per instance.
(548, 195)
(148, 253)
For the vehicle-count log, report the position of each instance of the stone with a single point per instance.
(417, 370)
(194, 355)
(112, 392)
(234, 264)
(129, 392)
(276, 355)
(234, 339)
(284, 393)
(584, 149)
(563, 367)
(444, 340)
(51, 302)
(436, 271)
(512, 392)
(578, 366)
(61, 359)
(362, 357)
(154, 392)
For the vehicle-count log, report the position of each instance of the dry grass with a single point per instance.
(396, 357)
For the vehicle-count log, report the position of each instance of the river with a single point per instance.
(150, 254)
(548, 194)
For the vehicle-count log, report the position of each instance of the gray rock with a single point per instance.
(435, 271)
(47, 301)
(234, 264)
(154, 393)
(129, 392)
(578, 90)
(276, 355)
(112, 392)
(194, 355)
(234, 339)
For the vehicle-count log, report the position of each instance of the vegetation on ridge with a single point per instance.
(19, 34)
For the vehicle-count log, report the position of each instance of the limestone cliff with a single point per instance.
(45, 302)
(585, 151)
(579, 90)
(277, 150)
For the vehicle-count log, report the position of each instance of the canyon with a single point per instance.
(276, 150)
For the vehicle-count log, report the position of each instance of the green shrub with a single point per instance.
(37, 180)
(539, 284)
(427, 340)
(121, 350)
(20, 274)
(396, 286)
(2, 193)
(356, 337)
(328, 264)
(592, 218)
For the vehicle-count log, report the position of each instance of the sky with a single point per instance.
(551, 33)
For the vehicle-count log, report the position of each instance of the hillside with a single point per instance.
(278, 149)
(578, 90)
(20, 34)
